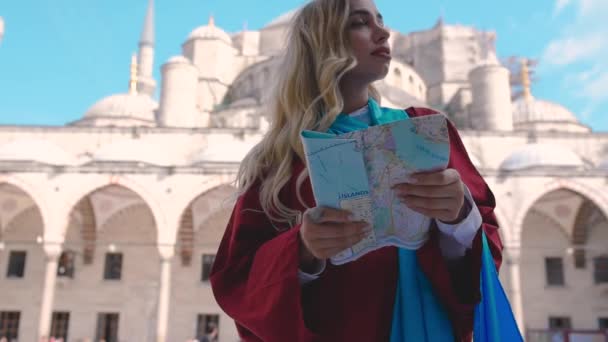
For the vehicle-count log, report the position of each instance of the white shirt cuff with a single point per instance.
(465, 231)
(306, 278)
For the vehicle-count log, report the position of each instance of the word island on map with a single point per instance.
(356, 171)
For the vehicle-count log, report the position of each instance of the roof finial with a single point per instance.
(147, 33)
(133, 78)
(211, 20)
(525, 79)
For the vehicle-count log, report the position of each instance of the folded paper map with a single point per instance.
(356, 171)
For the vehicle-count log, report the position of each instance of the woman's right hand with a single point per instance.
(326, 232)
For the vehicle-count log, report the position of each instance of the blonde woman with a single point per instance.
(271, 273)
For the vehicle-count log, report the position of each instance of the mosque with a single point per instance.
(109, 224)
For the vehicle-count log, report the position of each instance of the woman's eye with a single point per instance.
(358, 22)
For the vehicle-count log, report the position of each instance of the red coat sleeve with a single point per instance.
(254, 277)
(458, 285)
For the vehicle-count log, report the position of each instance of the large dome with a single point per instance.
(539, 110)
(127, 107)
(541, 155)
(210, 32)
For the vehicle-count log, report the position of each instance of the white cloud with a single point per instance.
(580, 51)
(592, 7)
(560, 5)
(573, 49)
(597, 88)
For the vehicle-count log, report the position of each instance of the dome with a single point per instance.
(283, 19)
(539, 110)
(179, 59)
(603, 165)
(149, 151)
(541, 155)
(210, 32)
(139, 107)
(42, 151)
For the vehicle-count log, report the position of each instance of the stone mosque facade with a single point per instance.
(109, 224)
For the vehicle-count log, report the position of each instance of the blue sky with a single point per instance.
(58, 57)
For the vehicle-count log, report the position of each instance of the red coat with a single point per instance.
(255, 275)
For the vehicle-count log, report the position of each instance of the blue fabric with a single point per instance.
(418, 315)
(494, 320)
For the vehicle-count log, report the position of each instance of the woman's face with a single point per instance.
(368, 39)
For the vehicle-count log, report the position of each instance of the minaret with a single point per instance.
(146, 83)
(133, 76)
(491, 108)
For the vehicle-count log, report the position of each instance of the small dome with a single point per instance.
(42, 151)
(140, 107)
(210, 32)
(283, 19)
(146, 151)
(541, 155)
(603, 165)
(224, 149)
(539, 110)
(178, 59)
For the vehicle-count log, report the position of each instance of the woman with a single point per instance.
(271, 273)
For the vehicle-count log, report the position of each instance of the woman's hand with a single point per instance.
(326, 232)
(439, 195)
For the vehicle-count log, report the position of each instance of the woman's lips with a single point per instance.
(382, 52)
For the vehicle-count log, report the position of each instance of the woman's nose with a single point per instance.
(382, 33)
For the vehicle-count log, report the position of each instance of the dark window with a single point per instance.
(554, 269)
(107, 327)
(580, 259)
(603, 323)
(65, 268)
(600, 269)
(16, 264)
(113, 267)
(208, 260)
(207, 327)
(9, 324)
(558, 323)
(60, 324)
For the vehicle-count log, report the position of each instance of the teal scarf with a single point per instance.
(417, 315)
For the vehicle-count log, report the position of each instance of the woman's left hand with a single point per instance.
(439, 195)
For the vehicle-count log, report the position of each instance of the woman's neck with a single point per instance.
(354, 97)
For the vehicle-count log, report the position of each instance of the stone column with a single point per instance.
(166, 256)
(514, 262)
(52, 252)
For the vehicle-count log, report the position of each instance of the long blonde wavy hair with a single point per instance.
(306, 97)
